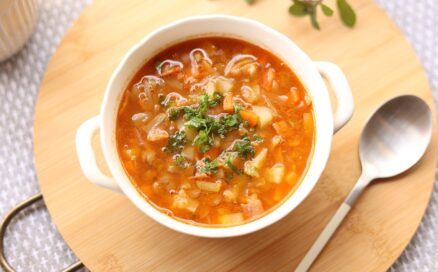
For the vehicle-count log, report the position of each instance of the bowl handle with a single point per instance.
(86, 156)
(339, 83)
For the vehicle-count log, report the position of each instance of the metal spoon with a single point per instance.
(393, 140)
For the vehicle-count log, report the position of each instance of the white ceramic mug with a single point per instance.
(309, 72)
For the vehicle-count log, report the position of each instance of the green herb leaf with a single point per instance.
(244, 148)
(258, 139)
(237, 108)
(250, 2)
(197, 122)
(346, 12)
(176, 142)
(233, 167)
(180, 160)
(190, 112)
(298, 9)
(207, 166)
(203, 140)
(174, 113)
(326, 10)
(208, 126)
(217, 99)
(227, 124)
(314, 21)
(203, 103)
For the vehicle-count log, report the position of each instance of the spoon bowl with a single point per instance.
(395, 137)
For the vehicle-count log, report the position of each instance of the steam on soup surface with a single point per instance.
(215, 131)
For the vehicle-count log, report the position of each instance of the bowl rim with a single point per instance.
(323, 133)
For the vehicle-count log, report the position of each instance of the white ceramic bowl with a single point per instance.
(213, 25)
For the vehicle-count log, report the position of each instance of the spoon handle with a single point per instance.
(323, 238)
(334, 223)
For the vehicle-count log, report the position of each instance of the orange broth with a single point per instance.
(215, 131)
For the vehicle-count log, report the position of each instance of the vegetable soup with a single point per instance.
(215, 131)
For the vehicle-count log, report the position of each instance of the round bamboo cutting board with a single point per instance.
(108, 233)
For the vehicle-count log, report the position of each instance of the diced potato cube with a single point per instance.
(190, 133)
(250, 170)
(224, 85)
(210, 88)
(251, 95)
(188, 152)
(229, 195)
(252, 167)
(157, 135)
(206, 186)
(259, 160)
(264, 114)
(253, 207)
(232, 218)
(275, 174)
(183, 202)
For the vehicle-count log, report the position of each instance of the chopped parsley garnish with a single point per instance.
(237, 107)
(244, 148)
(207, 127)
(207, 166)
(227, 123)
(217, 99)
(205, 102)
(180, 160)
(258, 139)
(192, 111)
(231, 166)
(176, 142)
(198, 122)
(174, 113)
(203, 140)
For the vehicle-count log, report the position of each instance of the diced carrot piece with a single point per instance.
(129, 165)
(278, 155)
(308, 122)
(282, 128)
(250, 117)
(292, 178)
(280, 193)
(212, 153)
(228, 102)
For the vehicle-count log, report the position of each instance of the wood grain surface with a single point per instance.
(108, 233)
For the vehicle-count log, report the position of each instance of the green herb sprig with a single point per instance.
(302, 8)
(206, 126)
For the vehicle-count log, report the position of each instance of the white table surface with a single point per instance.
(32, 241)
